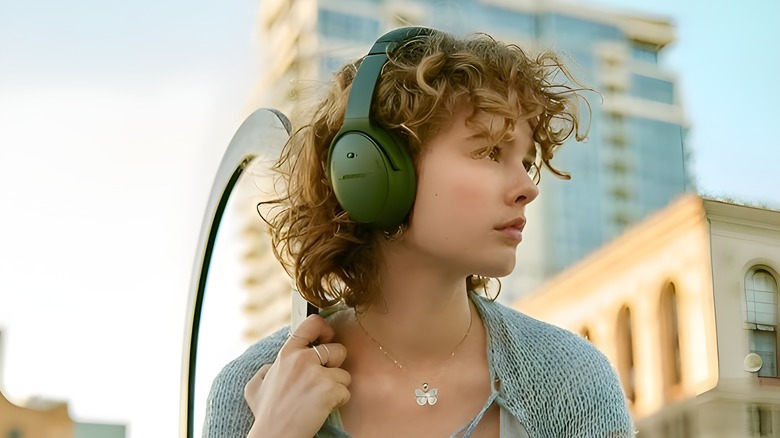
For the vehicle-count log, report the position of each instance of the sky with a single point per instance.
(113, 119)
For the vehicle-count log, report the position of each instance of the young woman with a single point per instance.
(410, 345)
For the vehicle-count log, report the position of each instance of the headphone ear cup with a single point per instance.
(373, 177)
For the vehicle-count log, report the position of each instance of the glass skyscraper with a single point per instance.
(634, 160)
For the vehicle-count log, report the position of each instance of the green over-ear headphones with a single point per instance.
(369, 167)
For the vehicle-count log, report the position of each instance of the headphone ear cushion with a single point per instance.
(373, 177)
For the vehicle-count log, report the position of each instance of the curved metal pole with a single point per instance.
(264, 129)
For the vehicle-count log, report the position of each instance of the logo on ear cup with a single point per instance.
(359, 177)
(355, 175)
(351, 155)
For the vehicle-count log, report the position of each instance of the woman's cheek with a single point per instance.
(469, 194)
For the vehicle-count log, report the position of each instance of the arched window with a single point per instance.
(625, 352)
(761, 318)
(670, 341)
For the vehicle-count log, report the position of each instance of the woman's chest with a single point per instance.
(392, 406)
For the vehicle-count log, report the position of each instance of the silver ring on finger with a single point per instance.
(318, 355)
(327, 351)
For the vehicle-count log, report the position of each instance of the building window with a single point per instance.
(506, 19)
(658, 159)
(646, 87)
(621, 219)
(670, 341)
(571, 31)
(339, 25)
(625, 353)
(679, 426)
(760, 421)
(761, 318)
(331, 63)
(621, 193)
(645, 52)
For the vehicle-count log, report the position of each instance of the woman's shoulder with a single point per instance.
(519, 332)
(568, 374)
(227, 413)
(258, 354)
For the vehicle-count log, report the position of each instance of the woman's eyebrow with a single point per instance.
(480, 135)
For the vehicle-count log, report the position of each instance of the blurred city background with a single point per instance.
(114, 118)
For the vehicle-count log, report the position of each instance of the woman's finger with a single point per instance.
(260, 374)
(312, 330)
(339, 375)
(333, 387)
(333, 354)
(340, 395)
(253, 385)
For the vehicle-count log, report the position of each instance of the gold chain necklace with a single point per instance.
(425, 394)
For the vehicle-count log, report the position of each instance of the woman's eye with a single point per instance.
(494, 153)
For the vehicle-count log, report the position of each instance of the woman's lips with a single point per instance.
(513, 229)
(514, 233)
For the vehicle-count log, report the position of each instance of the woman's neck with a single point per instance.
(423, 314)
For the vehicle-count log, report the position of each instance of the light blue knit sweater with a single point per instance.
(555, 383)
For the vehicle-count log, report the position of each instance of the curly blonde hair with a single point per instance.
(426, 79)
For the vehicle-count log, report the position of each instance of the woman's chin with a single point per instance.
(498, 269)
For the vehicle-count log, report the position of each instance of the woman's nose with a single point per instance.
(524, 189)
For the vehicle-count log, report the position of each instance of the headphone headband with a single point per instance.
(387, 42)
(367, 76)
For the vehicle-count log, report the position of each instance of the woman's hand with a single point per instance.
(294, 396)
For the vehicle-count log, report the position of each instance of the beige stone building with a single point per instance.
(42, 418)
(681, 305)
(38, 419)
(35, 418)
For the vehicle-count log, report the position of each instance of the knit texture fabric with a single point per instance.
(554, 382)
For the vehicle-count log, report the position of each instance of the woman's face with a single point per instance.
(469, 210)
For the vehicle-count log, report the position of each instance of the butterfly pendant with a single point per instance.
(424, 396)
